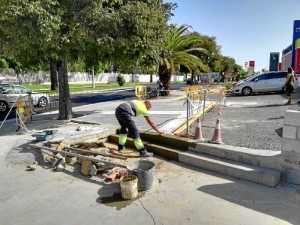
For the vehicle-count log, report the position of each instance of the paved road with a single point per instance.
(79, 99)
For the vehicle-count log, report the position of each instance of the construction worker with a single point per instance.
(123, 113)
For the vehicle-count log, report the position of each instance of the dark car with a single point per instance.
(191, 81)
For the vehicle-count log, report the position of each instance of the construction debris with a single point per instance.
(93, 170)
(76, 155)
(117, 174)
(94, 158)
(95, 153)
(59, 164)
(32, 166)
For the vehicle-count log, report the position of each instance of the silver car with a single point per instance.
(264, 82)
(10, 93)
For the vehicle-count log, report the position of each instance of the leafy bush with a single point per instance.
(228, 86)
(242, 75)
(3, 64)
(120, 80)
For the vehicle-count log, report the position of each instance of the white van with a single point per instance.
(264, 82)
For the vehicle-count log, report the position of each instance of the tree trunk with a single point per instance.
(65, 108)
(165, 77)
(93, 78)
(53, 76)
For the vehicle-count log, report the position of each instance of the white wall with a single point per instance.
(290, 150)
(76, 77)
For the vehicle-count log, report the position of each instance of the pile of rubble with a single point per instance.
(94, 158)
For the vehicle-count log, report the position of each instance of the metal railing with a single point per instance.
(195, 101)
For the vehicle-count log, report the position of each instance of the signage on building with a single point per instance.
(252, 64)
(286, 58)
(274, 61)
(296, 46)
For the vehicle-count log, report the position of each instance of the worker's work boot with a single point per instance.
(144, 153)
(121, 148)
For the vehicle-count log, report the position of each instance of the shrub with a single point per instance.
(228, 86)
(120, 80)
(3, 64)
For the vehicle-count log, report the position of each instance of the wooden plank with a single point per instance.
(76, 155)
(96, 153)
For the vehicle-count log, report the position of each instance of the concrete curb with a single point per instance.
(241, 163)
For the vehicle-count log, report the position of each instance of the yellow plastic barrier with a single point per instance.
(141, 92)
(24, 111)
(20, 107)
(195, 92)
(222, 94)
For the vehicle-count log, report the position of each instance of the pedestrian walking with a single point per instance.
(124, 113)
(289, 85)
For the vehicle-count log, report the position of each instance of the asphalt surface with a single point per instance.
(254, 121)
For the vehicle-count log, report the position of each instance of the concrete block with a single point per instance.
(268, 177)
(290, 145)
(289, 163)
(291, 118)
(290, 132)
(298, 134)
(290, 167)
(291, 176)
(256, 157)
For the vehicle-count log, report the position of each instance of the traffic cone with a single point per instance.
(217, 134)
(198, 132)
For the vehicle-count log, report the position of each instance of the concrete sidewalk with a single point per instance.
(180, 194)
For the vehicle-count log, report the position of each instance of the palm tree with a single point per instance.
(178, 52)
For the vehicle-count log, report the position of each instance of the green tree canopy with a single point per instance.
(124, 32)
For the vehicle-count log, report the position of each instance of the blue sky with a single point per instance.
(245, 29)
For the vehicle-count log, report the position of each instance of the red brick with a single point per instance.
(112, 177)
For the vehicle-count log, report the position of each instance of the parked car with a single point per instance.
(264, 82)
(9, 93)
(191, 81)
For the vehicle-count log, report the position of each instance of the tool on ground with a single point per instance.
(45, 135)
(76, 155)
(96, 153)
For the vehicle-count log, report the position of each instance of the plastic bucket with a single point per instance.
(129, 188)
(144, 170)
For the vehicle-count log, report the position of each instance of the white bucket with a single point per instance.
(129, 187)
